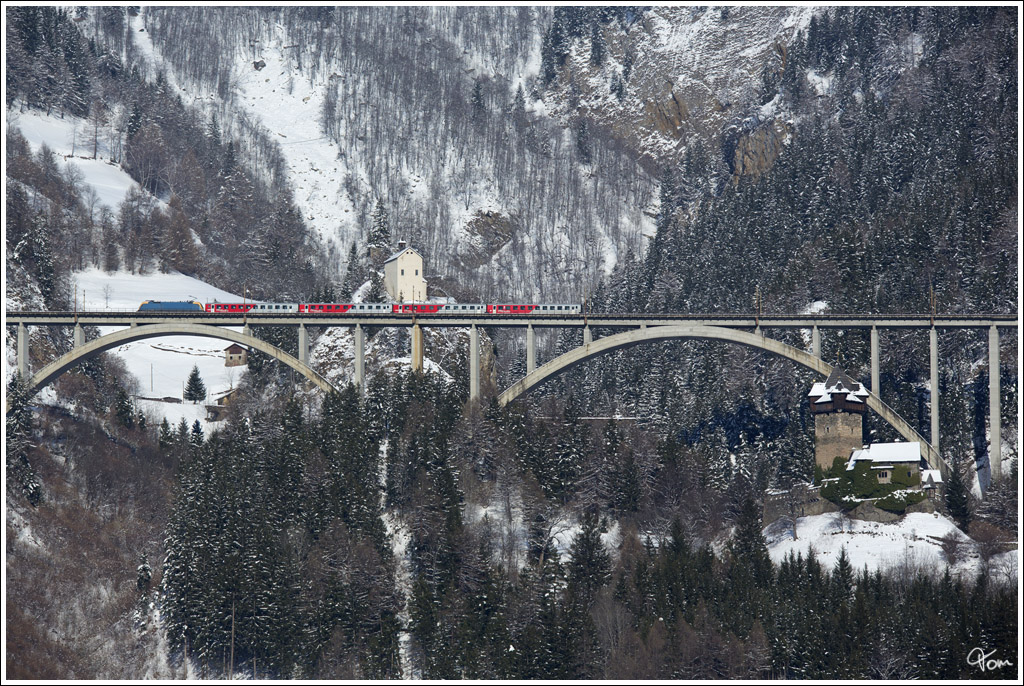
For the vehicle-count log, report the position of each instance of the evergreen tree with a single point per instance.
(195, 389)
(181, 436)
(143, 574)
(748, 544)
(196, 437)
(124, 410)
(842, 576)
(957, 497)
(17, 441)
(376, 292)
(582, 140)
(352, 276)
(519, 107)
(590, 564)
(476, 100)
(596, 45)
(378, 243)
(165, 438)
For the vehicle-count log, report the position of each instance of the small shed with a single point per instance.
(215, 413)
(235, 355)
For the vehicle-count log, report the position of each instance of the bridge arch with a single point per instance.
(112, 340)
(653, 334)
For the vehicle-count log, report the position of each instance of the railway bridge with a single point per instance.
(632, 330)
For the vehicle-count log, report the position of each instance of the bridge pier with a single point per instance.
(303, 344)
(417, 348)
(588, 338)
(79, 336)
(360, 344)
(816, 342)
(23, 351)
(933, 345)
(531, 349)
(474, 363)
(875, 387)
(995, 453)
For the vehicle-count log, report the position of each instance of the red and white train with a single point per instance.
(396, 308)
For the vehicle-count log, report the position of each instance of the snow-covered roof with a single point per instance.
(931, 476)
(402, 252)
(886, 454)
(838, 383)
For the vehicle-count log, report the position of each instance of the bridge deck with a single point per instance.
(829, 321)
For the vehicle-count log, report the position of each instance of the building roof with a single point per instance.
(931, 476)
(838, 383)
(402, 252)
(234, 349)
(886, 454)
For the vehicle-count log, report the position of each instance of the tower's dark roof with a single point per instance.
(838, 383)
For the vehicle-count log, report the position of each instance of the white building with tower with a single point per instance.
(403, 275)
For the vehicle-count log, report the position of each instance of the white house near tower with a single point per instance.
(403, 275)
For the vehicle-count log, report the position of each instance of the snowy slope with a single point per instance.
(289, 108)
(67, 137)
(912, 541)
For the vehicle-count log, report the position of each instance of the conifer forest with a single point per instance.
(610, 523)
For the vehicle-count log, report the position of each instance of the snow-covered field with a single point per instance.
(912, 541)
(68, 138)
(162, 365)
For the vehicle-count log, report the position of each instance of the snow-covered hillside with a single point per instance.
(354, 124)
(911, 543)
(70, 138)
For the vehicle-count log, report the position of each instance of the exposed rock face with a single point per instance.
(925, 506)
(803, 500)
(690, 74)
(757, 151)
(488, 233)
(867, 512)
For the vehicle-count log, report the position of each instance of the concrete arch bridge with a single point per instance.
(635, 330)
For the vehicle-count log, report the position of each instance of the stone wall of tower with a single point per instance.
(835, 435)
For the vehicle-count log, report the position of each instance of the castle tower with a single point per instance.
(838, 406)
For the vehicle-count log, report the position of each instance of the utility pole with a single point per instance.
(231, 667)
